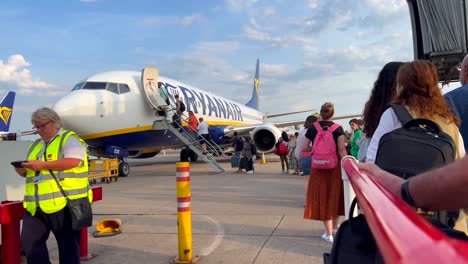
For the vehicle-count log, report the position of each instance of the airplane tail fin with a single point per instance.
(253, 103)
(6, 109)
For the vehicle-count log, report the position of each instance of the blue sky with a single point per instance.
(310, 51)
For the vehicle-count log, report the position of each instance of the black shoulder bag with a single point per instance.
(80, 209)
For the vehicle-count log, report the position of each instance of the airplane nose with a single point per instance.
(65, 107)
(75, 108)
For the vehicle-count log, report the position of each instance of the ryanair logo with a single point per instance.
(256, 83)
(5, 114)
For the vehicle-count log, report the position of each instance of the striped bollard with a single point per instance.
(184, 214)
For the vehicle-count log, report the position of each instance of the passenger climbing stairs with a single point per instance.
(213, 150)
(165, 109)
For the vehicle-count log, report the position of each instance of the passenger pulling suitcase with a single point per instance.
(235, 161)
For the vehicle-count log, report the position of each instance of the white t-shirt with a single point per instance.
(72, 148)
(299, 140)
(389, 122)
(203, 128)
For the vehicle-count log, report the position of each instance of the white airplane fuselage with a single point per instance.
(104, 117)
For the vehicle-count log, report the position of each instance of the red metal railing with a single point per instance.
(11, 213)
(401, 234)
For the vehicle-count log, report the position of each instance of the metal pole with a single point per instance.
(184, 216)
(348, 189)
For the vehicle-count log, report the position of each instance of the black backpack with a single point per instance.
(418, 146)
(182, 106)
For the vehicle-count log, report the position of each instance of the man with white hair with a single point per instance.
(458, 98)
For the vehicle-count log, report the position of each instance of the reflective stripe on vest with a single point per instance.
(46, 194)
(60, 176)
(58, 194)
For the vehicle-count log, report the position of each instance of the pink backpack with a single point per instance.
(324, 148)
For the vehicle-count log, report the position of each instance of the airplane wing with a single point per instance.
(266, 135)
(287, 113)
(295, 123)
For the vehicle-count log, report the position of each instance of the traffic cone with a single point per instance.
(108, 227)
(263, 158)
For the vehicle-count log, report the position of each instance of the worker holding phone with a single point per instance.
(56, 171)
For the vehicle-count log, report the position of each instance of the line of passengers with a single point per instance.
(413, 85)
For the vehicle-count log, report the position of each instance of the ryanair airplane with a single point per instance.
(114, 113)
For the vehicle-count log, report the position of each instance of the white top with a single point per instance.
(72, 148)
(299, 140)
(203, 128)
(363, 143)
(389, 122)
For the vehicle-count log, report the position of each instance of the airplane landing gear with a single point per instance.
(124, 168)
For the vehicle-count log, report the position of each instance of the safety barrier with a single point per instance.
(11, 213)
(84, 254)
(401, 234)
(184, 215)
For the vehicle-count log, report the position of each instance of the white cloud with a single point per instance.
(239, 5)
(252, 33)
(387, 7)
(15, 72)
(189, 20)
(218, 48)
(312, 3)
(268, 12)
(173, 20)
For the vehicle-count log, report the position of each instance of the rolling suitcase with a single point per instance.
(235, 161)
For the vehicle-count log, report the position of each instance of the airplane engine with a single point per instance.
(141, 154)
(265, 137)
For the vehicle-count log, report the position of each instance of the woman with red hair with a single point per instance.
(418, 90)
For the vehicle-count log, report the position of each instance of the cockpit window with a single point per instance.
(123, 88)
(95, 86)
(112, 87)
(117, 88)
(77, 86)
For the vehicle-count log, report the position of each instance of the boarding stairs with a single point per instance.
(213, 150)
(165, 111)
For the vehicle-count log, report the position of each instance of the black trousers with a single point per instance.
(36, 231)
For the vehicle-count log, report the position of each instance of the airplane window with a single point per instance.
(112, 87)
(77, 86)
(95, 85)
(123, 88)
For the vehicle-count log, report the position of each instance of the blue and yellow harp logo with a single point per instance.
(5, 114)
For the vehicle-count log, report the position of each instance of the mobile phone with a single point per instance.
(17, 164)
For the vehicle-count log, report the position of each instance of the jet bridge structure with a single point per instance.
(440, 34)
(164, 121)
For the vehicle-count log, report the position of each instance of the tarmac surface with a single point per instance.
(236, 218)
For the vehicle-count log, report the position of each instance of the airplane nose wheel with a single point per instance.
(124, 169)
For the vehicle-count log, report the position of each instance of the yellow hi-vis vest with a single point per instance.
(41, 188)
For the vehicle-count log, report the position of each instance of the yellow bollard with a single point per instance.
(184, 214)
(263, 158)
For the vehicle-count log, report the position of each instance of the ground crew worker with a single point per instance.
(61, 153)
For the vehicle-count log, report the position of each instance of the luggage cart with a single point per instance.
(103, 169)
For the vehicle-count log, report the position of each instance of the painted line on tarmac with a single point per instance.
(218, 237)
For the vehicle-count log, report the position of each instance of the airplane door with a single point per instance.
(149, 80)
